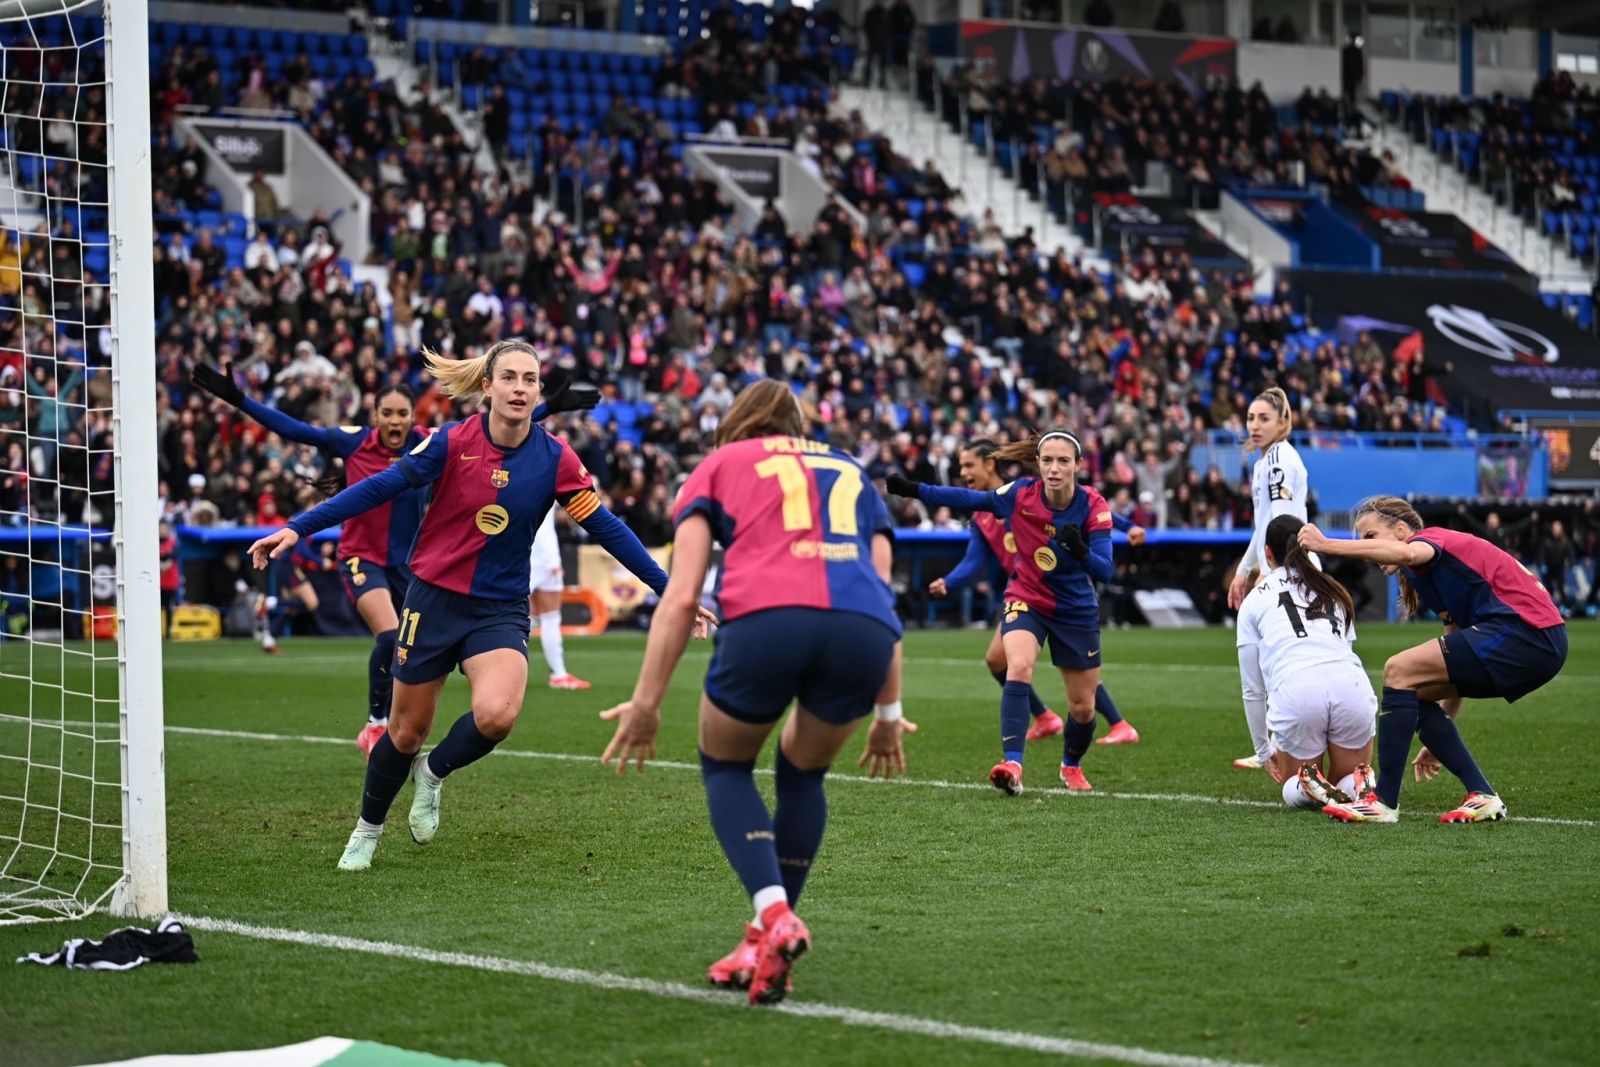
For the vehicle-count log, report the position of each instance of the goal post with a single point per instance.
(82, 765)
(143, 887)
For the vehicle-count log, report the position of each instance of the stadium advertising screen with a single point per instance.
(247, 148)
(1134, 222)
(1574, 450)
(1018, 52)
(1430, 241)
(1492, 342)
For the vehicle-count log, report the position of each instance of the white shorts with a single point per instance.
(1330, 707)
(544, 564)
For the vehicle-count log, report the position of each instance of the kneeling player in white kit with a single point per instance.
(1295, 634)
(545, 583)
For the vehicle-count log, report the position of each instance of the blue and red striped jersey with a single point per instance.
(796, 520)
(1471, 581)
(383, 535)
(487, 503)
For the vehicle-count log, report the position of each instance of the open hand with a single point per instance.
(273, 546)
(635, 737)
(704, 620)
(884, 750)
(1426, 767)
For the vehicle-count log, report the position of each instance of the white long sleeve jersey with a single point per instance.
(1277, 487)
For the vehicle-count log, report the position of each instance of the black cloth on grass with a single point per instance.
(122, 950)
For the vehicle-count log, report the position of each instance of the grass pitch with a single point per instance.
(1239, 932)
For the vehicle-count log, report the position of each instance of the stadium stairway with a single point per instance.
(984, 186)
(1448, 190)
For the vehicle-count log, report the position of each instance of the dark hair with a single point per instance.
(1027, 450)
(399, 389)
(981, 446)
(1391, 511)
(1328, 597)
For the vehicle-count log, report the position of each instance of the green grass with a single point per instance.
(1237, 932)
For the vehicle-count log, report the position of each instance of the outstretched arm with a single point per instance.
(365, 495)
(944, 496)
(609, 532)
(292, 429)
(977, 554)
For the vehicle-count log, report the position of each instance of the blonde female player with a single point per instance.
(1277, 487)
(1062, 532)
(493, 477)
(990, 539)
(1294, 635)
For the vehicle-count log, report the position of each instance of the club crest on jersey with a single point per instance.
(1044, 559)
(500, 478)
(492, 519)
(400, 655)
(357, 578)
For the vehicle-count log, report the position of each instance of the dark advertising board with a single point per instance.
(755, 173)
(1574, 448)
(1429, 241)
(1489, 341)
(1124, 221)
(247, 149)
(1016, 52)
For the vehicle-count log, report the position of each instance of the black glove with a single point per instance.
(898, 485)
(1071, 538)
(565, 394)
(218, 383)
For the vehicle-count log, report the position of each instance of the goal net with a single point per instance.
(82, 810)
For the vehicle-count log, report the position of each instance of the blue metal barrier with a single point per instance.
(49, 576)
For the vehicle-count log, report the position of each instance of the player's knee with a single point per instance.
(1082, 712)
(1020, 672)
(495, 719)
(995, 659)
(406, 736)
(1396, 674)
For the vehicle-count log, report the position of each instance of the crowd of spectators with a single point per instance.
(660, 299)
(1513, 158)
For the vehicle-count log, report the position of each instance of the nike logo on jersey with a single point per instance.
(1096, 652)
(464, 456)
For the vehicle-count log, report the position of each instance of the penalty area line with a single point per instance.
(877, 1020)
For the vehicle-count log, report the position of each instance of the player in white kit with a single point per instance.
(1277, 487)
(1295, 634)
(545, 583)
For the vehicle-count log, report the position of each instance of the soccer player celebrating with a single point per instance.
(1277, 487)
(373, 545)
(807, 616)
(1294, 635)
(989, 538)
(544, 602)
(493, 477)
(1503, 638)
(1062, 532)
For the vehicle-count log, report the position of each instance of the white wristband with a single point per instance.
(889, 712)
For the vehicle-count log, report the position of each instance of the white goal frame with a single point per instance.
(142, 890)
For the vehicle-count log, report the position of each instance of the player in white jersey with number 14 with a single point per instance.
(1295, 634)
(1277, 487)
(545, 583)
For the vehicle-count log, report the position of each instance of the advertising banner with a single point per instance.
(1489, 341)
(756, 173)
(247, 149)
(1125, 221)
(1429, 241)
(1016, 52)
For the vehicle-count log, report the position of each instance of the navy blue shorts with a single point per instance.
(833, 662)
(1504, 658)
(439, 630)
(361, 578)
(1071, 648)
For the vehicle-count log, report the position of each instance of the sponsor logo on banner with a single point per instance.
(247, 148)
(1495, 338)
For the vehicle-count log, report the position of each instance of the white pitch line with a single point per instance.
(676, 765)
(877, 1020)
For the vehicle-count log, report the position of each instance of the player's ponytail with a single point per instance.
(1326, 595)
(1026, 451)
(463, 379)
(1278, 401)
(767, 408)
(1391, 511)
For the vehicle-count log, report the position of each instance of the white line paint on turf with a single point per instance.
(877, 1020)
(675, 765)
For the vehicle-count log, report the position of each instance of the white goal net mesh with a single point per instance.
(61, 840)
